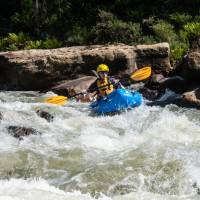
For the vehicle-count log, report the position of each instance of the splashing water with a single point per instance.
(146, 153)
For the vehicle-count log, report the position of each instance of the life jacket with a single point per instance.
(103, 91)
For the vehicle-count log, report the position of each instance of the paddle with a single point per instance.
(138, 75)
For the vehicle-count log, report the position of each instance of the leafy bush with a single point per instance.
(192, 30)
(2, 44)
(77, 36)
(178, 50)
(180, 19)
(51, 43)
(33, 44)
(15, 41)
(110, 29)
(192, 34)
(164, 31)
(147, 39)
(19, 41)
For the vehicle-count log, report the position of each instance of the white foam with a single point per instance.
(83, 142)
(18, 189)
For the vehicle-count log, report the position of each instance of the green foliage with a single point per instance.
(180, 19)
(178, 50)
(192, 30)
(33, 44)
(51, 43)
(15, 41)
(147, 39)
(164, 31)
(29, 24)
(19, 41)
(2, 44)
(111, 29)
(23, 21)
(197, 18)
(77, 36)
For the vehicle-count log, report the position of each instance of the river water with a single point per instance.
(147, 153)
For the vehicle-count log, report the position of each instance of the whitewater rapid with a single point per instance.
(149, 152)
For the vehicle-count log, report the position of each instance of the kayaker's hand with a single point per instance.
(85, 92)
(118, 84)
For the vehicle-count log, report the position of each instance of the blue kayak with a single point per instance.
(118, 100)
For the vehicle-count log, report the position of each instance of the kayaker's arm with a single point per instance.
(117, 84)
(93, 87)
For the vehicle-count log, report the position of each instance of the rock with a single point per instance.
(160, 54)
(159, 83)
(172, 99)
(195, 43)
(192, 98)
(189, 68)
(150, 94)
(71, 87)
(189, 99)
(1, 116)
(19, 132)
(42, 69)
(45, 115)
(175, 83)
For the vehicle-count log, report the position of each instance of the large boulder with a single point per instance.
(157, 55)
(42, 69)
(189, 68)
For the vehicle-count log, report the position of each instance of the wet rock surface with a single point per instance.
(71, 87)
(192, 98)
(20, 132)
(1, 116)
(45, 115)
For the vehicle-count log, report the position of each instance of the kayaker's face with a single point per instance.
(103, 75)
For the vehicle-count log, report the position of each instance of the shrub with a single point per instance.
(111, 29)
(178, 50)
(180, 19)
(2, 44)
(19, 41)
(147, 39)
(192, 34)
(77, 36)
(33, 44)
(15, 41)
(192, 30)
(51, 43)
(164, 31)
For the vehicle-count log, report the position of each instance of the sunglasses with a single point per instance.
(103, 73)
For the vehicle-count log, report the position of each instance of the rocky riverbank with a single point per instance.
(69, 70)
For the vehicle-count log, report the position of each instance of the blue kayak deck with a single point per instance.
(118, 100)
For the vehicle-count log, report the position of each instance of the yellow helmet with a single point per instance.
(102, 68)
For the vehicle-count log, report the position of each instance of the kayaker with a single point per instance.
(104, 84)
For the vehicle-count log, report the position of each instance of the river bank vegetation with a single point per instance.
(33, 24)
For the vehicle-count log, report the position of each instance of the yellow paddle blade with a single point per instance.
(141, 74)
(58, 100)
